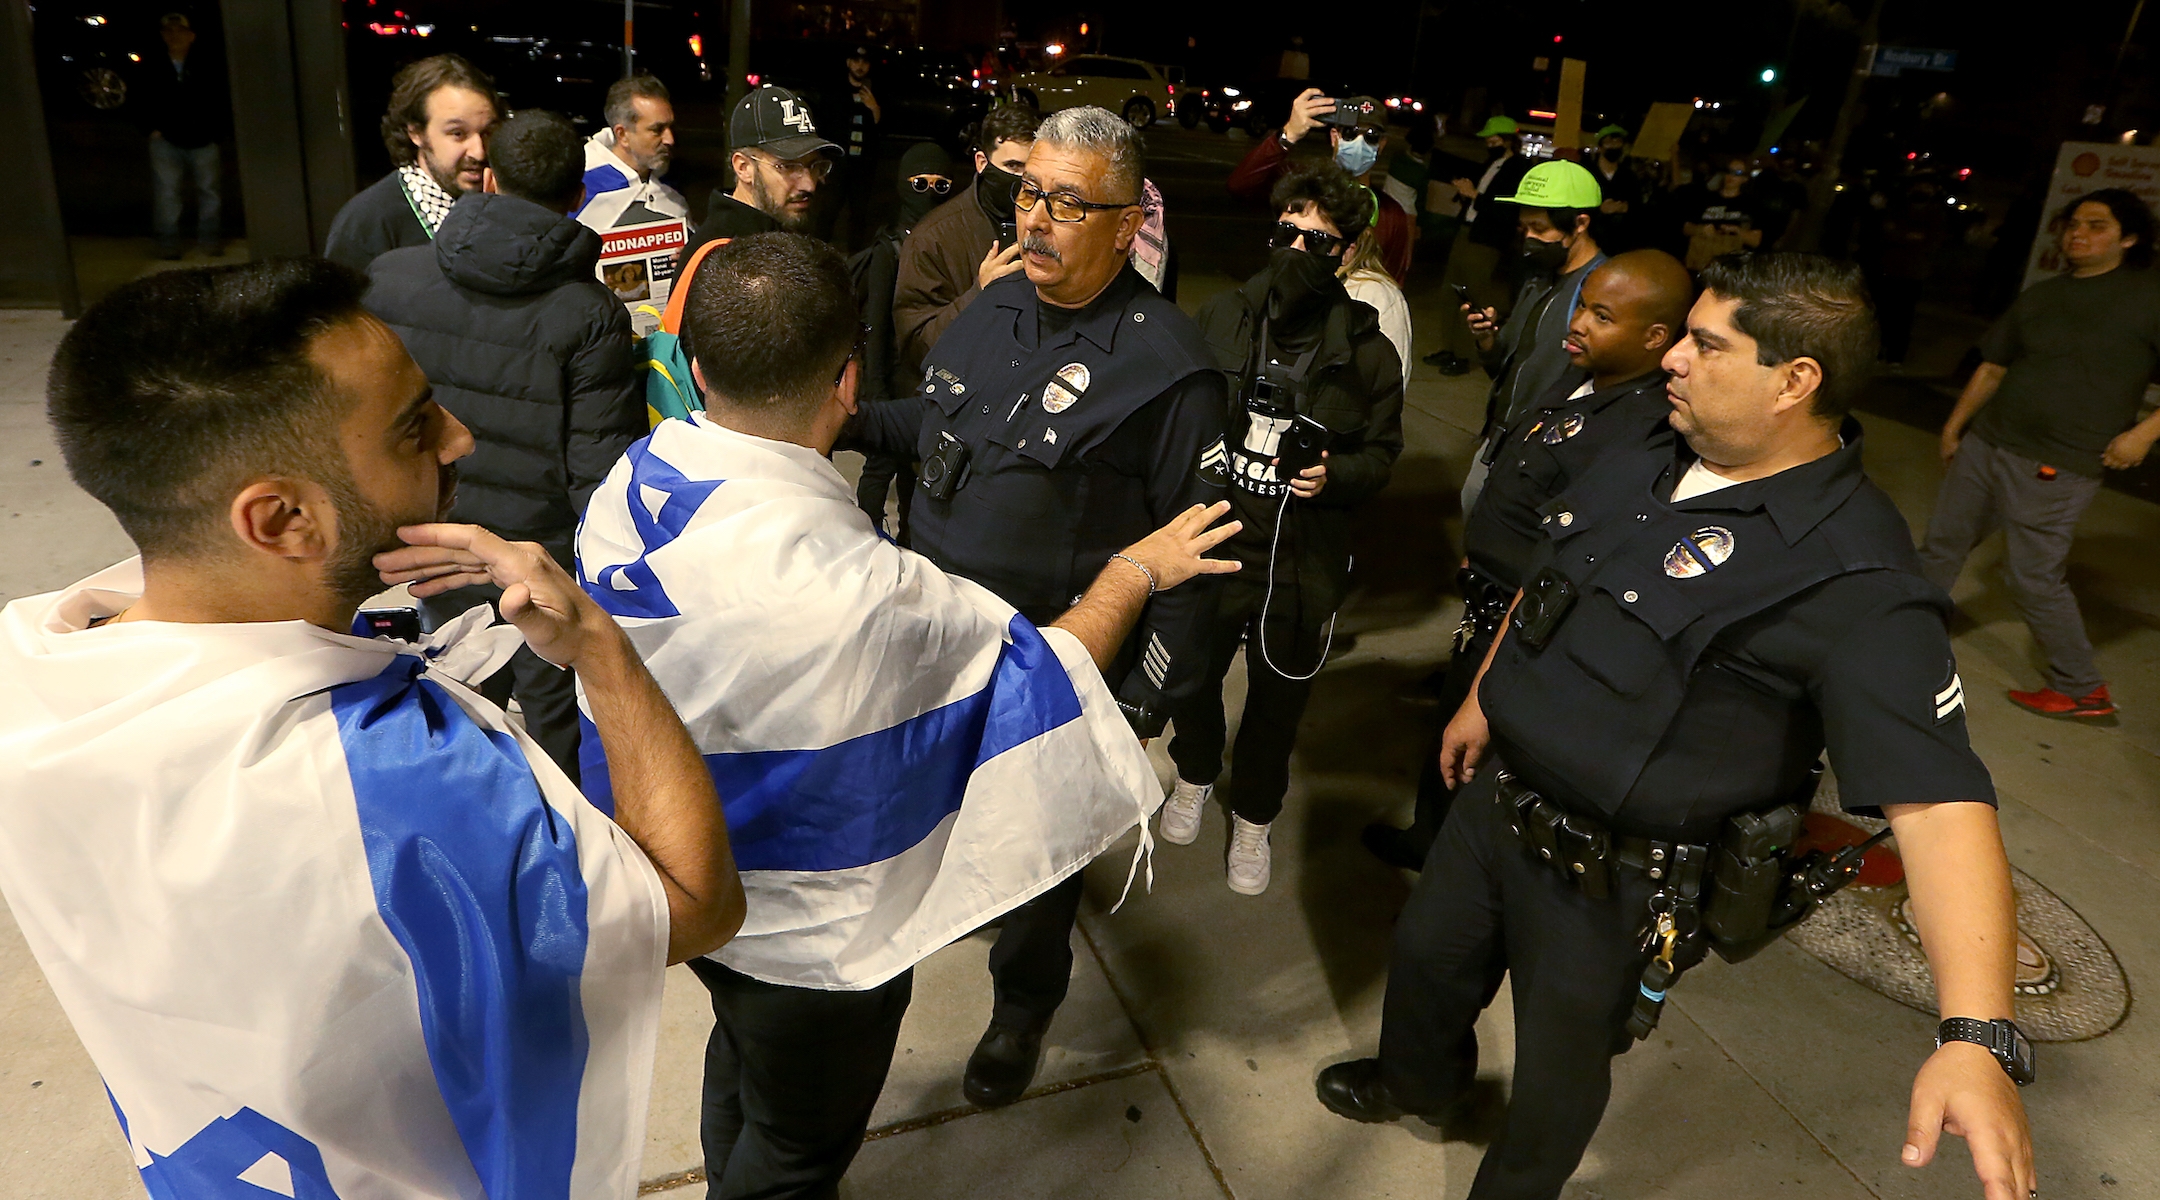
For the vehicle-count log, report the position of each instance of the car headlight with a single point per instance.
(1231, 92)
(1241, 106)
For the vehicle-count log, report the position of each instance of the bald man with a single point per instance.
(1632, 309)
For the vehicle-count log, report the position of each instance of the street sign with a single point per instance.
(1892, 61)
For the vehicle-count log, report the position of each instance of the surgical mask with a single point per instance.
(1544, 258)
(994, 190)
(1300, 285)
(1357, 156)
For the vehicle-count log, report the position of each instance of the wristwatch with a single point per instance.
(2001, 1038)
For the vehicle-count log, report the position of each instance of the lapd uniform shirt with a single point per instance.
(1718, 644)
(1087, 433)
(1537, 457)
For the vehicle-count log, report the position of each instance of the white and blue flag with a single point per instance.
(902, 756)
(327, 924)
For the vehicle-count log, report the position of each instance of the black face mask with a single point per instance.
(994, 190)
(1495, 153)
(1300, 285)
(1544, 258)
(1613, 154)
(914, 205)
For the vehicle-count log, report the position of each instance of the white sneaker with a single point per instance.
(1181, 812)
(1250, 860)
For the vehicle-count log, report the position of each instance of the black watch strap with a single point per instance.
(2001, 1038)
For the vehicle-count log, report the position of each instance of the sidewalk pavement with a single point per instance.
(1182, 1064)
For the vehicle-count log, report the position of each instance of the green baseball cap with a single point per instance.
(1558, 184)
(1611, 131)
(1500, 127)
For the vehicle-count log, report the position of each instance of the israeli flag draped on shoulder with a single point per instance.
(327, 924)
(902, 756)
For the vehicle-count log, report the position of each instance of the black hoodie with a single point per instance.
(527, 348)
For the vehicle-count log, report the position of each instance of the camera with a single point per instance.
(944, 469)
(1275, 429)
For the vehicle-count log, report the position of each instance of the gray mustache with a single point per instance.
(1035, 243)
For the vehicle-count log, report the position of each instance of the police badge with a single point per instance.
(1699, 553)
(1064, 391)
(1563, 430)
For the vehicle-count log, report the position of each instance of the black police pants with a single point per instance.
(546, 694)
(1485, 906)
(791, 1075)
(1434, 796)
(1031, 962)
(1274, 702)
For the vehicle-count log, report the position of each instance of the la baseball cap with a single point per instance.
(776, 120)
(1558, 184)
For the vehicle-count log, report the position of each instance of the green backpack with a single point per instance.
(670, 391)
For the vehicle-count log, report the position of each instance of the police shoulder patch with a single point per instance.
(1214, 464)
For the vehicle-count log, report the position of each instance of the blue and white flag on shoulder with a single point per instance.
(902, 756)
(326, 923)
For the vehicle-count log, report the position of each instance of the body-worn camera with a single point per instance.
(1275, 429)
(944, 470)
(1545, 602)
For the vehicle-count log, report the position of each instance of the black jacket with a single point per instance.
(187, 106)
(527, 347)
(1495, 225)
(725, 217)
(1357, 392)
(379, 219)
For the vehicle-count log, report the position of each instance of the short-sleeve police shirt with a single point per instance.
(1717, 645)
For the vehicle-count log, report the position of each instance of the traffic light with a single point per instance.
(1769, 74)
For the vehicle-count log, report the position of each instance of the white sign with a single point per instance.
(637, 263)
(2085, 167)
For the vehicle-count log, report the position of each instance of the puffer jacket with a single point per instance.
(527, 348)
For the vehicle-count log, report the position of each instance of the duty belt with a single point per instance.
(1485, 605)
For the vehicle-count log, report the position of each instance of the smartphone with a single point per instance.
(402, 624)
(1008, 234)
(1463, 294)
(1300, 447)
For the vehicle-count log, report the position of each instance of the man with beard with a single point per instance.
(965, 246)
(1710, 609)
(1067, 412)
(1632, 310)
(532, 352)
(348, 864)
(626, 162)
(779, 162)
(1292, 323)
(441, 109)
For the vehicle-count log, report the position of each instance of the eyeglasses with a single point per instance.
(1372, 136)
(1320, 242)
(1065, 208)
(930, 183)
(817, 169)
(862, 343)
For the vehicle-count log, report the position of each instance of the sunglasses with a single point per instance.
(1371, 136)
(1326, 245)
(855, 353)
(930, 183)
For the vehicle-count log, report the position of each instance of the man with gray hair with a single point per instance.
(1067, 411)
(625, 163)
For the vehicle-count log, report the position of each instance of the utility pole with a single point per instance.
(738, 52)
(629, 35)
(1822, 190)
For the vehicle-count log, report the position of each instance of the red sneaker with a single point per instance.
(2094, 706)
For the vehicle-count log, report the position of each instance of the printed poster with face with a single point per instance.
(637, 263)
(2080, 168)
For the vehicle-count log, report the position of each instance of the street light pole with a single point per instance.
(1822, 190)
(738, 52)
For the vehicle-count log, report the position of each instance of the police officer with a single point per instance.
(1063, 410)
(1631, 311)
(1708, 609)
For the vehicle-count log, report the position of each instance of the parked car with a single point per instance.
(87, 53)
(1136, 90)
(1259, 107)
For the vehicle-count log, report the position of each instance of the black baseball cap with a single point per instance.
(775, 120)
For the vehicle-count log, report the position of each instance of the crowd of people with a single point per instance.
(767, 729)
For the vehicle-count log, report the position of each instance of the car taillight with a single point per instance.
(751, 79)
(1172, 87)
(697, 46)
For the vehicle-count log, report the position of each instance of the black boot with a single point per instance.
(1392, 846)
(1354, 1089)
(1003, 1065)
